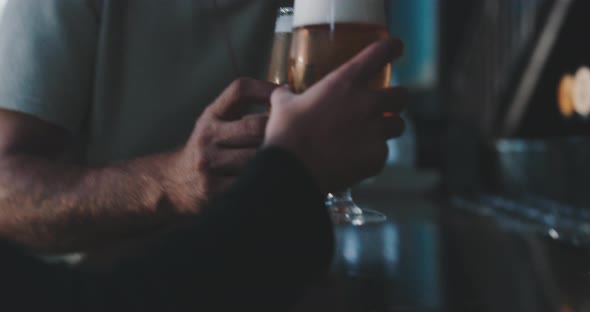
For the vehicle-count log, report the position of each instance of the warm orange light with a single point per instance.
(565, 96)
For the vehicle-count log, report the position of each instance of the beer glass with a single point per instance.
(279, 59)
(327, 34)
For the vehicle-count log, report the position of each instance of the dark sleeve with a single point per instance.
(258, 247)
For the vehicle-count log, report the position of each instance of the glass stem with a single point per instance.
(342, 206)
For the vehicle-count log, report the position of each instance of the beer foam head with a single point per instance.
(317, 12)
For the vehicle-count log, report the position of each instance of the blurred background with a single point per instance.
(487, 192)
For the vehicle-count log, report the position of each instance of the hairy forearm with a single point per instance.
(54, 207)
(246, 246)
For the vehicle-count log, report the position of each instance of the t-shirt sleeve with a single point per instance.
(47, 59)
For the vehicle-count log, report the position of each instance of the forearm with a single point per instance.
(54, 207)
(260, 246)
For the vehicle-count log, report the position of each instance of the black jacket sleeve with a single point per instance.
(258, 247)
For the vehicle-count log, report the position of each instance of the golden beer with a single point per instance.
(279, 60)
(328, 33)
(565, 96)
(319, 49)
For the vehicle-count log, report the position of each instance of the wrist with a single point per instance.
(178, 183)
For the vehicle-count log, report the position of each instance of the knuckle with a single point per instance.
(209, 115)
(237, 87)
(203, 162)
(232, 93)
(203, 136)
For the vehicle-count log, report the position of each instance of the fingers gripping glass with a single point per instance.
(327, 34)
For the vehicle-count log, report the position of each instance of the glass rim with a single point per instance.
(286, 11)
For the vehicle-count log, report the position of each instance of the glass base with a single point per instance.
(343, 210)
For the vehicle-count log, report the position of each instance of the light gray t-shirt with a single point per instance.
(127, 77)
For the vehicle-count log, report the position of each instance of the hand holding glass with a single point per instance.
(327, 34)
